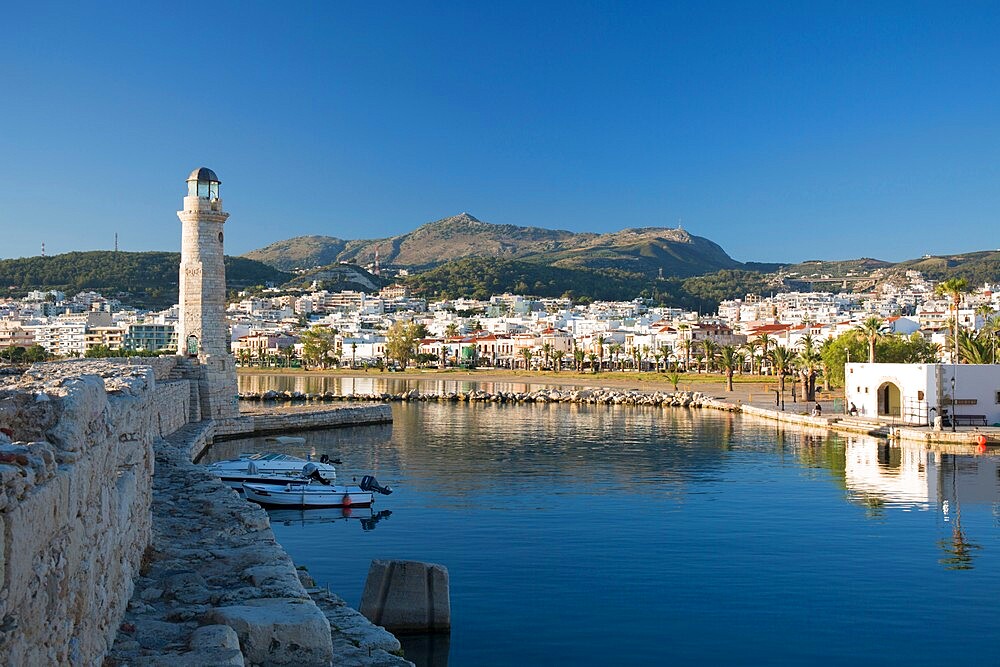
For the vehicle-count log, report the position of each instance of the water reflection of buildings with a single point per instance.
(911, 474)
(377, 383)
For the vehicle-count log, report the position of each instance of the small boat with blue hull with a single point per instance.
(312, 492)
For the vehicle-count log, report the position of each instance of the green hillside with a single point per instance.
(142, 279)
(482, 277)
(976, 267)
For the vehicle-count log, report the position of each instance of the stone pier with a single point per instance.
(101, 560)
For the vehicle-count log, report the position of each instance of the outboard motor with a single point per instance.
(369, 483)
(311, 470)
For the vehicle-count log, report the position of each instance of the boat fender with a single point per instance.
(981, 440)
(346, 500)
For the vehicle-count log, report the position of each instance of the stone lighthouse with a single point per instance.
(202, 332)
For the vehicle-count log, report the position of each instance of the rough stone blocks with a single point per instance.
(278, 631)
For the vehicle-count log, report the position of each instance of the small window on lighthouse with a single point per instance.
(220, 237)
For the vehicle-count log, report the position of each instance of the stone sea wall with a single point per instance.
(278, 422)
(75, 492)
(104, 562)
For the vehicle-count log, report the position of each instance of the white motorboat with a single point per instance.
(313, 492)
(266, 467)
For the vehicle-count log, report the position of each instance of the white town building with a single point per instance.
(918, 393)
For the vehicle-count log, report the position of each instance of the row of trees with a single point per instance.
(105, 352)
(24, 355)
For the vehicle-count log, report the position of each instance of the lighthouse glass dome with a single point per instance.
(203, 183)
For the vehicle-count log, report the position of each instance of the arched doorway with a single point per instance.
(889, 401)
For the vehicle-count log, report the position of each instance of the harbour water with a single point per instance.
(604, 535)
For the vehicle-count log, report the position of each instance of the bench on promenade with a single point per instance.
(970, 420)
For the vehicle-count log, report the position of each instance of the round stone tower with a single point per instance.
(203, 332)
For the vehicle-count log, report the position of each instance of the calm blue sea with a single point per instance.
(598, 535)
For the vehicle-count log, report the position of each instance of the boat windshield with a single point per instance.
(272, 456)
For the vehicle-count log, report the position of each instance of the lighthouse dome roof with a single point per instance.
(203, 174)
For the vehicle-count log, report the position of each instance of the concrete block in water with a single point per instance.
(407, 596)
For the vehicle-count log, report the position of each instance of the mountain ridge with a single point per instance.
(647, 250)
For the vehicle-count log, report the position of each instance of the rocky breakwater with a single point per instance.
(76, 460)
(676, 399)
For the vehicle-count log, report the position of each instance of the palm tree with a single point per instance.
(665, 350)
(615, 349)
(991, 328)
(809, 361)
(730, 359)
(975, 348)
(751, 349)
(600, 350)
(686, 345)
(451, 330)
(546, 353)
(953, 288)
(763, 342)
(870, 330)
(673, 377)
(711, 349)
(593, 361)
(578, 357)
(807, 342)
(781, 362)
(557, 360)
(527, 353)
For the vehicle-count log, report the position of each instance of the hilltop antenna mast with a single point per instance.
(116, 241)
(43, 248)
(377, 271)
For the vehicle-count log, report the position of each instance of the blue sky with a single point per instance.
(782, 131)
